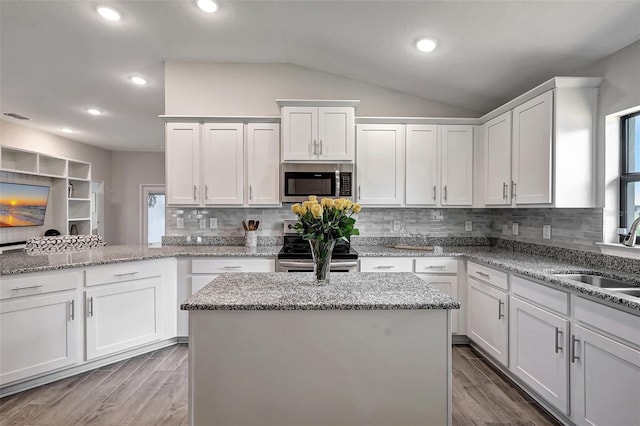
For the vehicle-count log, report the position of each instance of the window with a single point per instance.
(630, 170)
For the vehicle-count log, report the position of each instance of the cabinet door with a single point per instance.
(299, 133)
(605, 380)
(263, 163)
(532, 145)
(538, 351)
(448, 284)
(336, 133)
(38, 334)
(223, 164)
(487, 319)
(457, 165)
(422, 165)
(122, 316)
(380, 164)
(182, 163)
(497, 139)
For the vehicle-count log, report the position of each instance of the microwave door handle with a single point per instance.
(337, 184)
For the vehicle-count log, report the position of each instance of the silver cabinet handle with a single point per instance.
(513, 189)
(573, 349)
(435, 267)
(321, 147)
(72, 308)
(504, 190)
(30, 287)
(195, 192)
(559, 333)
(500, 314)
(434, 192)
(250, 192)
(445, 192)
(124, 274)
(359, 193)
(232, 267)
(90, 302)
(384, 267)
(315, 147)
(206, 192)
(482, 274)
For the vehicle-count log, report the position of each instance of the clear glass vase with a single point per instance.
(321, 251)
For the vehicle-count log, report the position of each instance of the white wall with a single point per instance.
(251, 89)
(18, 136)
(129, 170)
(619, 91)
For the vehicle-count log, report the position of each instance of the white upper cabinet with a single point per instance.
(223, 163)
(532, 150)
(497, 142)
(457, 165)
(263, 164)
(318, 133)
(182, 163)
(422, 165)
(380, 164)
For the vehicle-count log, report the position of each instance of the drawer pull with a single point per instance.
(558, 348)
(500, 314)
(27, 288)
(90, 302)
(573, 349)
(435, 267)
(125, 274)
(384, 267)
(482, 274)
(232, 267)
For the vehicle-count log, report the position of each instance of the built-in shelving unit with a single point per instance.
(70, 183)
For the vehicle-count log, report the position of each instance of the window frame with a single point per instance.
(626, 176)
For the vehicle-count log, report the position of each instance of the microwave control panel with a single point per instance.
(345, 184)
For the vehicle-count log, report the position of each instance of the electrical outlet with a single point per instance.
(179, 222)
(546, 232)
(514, 228)
(213, 222)
(199, 240)
(397, 225)
(202, 223)
(468, 225)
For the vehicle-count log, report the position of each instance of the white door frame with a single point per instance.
(145, 190)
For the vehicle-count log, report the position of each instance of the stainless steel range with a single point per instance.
(295, 255)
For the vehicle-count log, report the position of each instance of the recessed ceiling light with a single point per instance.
(94, 111)
(208, 6)
(426, 45)
(138, 80)
(109, 13)
(67, 130)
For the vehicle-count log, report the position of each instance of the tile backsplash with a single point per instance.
(571, 228)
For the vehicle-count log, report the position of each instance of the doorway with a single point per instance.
(97, 208)
(153, 211)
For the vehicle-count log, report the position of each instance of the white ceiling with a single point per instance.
(58, 58)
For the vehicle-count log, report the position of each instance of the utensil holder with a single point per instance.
(250, 239)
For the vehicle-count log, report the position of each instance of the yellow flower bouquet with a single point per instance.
(322, 223)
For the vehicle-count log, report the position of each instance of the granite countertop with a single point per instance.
(296, 291)
(17, 263)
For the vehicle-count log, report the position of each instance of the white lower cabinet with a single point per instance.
(487, 319)
(448, 284)
(38, 334)
(538, 351)
(124, 315)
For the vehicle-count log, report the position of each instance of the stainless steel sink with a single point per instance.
(630, 291)
(602, 282)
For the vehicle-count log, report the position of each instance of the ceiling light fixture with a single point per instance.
(426, 45)
(109, 13)
(138, 80)
(67, 130)
(208, 6)
(94, 111)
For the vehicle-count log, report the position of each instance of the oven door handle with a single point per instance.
(309, 265)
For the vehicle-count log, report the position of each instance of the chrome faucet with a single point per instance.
(630, 238)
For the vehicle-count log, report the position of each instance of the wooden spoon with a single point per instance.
(244, 225)
(252, 225)
(257, 224)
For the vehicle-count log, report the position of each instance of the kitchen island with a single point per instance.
(274, 349)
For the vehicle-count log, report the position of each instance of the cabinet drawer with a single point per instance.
(620, 324)
(125, 271)
(231, 264)
(386, 264)
(488, 275)
(549, 298)
(38, 283)
(436, 265)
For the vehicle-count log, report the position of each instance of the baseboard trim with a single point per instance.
(81, 368)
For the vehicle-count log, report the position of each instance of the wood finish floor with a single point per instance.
(151, 389)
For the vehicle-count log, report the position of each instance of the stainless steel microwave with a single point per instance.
(324, 180)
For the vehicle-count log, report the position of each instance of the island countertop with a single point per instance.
(296, 291)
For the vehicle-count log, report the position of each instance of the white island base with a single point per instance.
(320, 367)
